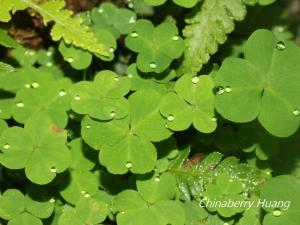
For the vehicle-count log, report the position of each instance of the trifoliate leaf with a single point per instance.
(157, 46)
(193, 103)
(78, 58)
(79, 184)
(103, 98)
(51, 98)
(24, 78)
(183, 3)
(126, 144)
(208, 28)
(254, 138)
(283, 195)
(154, 187)
(268, 80)
(154, 81)
(39, 147)
(132, 209)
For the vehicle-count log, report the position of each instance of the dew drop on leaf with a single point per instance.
(49, 64)
(228, 89)
(116, 79)
(27, 85)
(6, 146)
(170, 118)
(220, 90)
(134, 34)
(49, 53)
(20, 104)
(62, 93)
(87, 195)
(77, 97)
(214, 119)
(175, 38)
(157, 179)
(111, 49)
(100, 10)
(52, 200)
(276, 212)
(296, 112)
(35, 85)
(153, 65)
(88, 126)
(132, 20)
(70, 60)
(130, 75)
(195, 80)
(113, 114)
(53, 169)
(128, 165)
(280, 45)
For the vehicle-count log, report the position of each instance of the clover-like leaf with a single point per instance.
(282, 193)
(78, 58)
(87, 211)
(260, 82)
(102, 98)
(254, 138)
(39, 147)
(154, 81)
(117, 21)
(157, 46)
(183, 3)
(51, 98)
(126, 144)
(225, 189)
(193, 103)
(132, 209)
(25, 57)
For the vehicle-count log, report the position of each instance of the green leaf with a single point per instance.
(268, 79)
(193, 103)
(5, 68)
(25, 57)
(183, 3)
(51, 99)
(103, 98)
(284, 189)
(207, 29)
(157, 46)
(6, 40)
(39, 147)
(11, 204)
(25, 219)
(79, 59)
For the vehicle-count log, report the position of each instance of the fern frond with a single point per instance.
(67, 27)
(207, 29)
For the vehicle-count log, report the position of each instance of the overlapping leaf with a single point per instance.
(39, 147)
(157, 46)
(183, 3)
(103, 98)
(261, 82)
(193, 103)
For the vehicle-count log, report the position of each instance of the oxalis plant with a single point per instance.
(153, 112)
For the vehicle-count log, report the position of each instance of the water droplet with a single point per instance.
(277, 212)
(113, 114)
(280, 45)
(116, 78)
(226, 224)
(49, 54)
(228, 89)
(296, 112)
(77, 98)
(220, 90)
(132, 20)
(83, 192)
(170, 118)
(280, 29)
(130, 5)
(153, 65)
(62, 93)
(195, 80)
(6, 146)
(111, 49)
(70, 60)
(230, 180)
(214, 119)
(53, 169)
(100, 10)
(27, 85)
(128, 165)
(88, 126)
(157, 179)
(20, 104)
(175, 38)
(35, 84)
(166, 125)
(134, 34)
(49, 64)
(87, 195)
(130, 75)
(52, 200)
